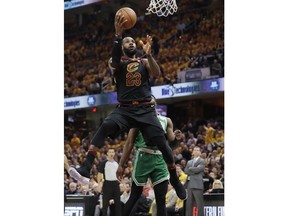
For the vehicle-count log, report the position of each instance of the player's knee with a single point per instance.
(108, 126)
(105, 124)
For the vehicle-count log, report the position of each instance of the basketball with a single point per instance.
(130, 15)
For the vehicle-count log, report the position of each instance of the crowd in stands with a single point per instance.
(207, 134)
(191, 38)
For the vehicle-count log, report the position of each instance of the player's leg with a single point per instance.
(108, 127)
(160, 142)
(73, 172)
(153, 134)
(143, 166)
(160, 191)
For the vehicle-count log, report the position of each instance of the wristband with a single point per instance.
(118, 36)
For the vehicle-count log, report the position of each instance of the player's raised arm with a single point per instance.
(151, 64)
(117, 46)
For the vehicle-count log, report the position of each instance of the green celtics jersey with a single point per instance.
(139, 141)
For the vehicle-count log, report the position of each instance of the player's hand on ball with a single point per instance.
(118, 23)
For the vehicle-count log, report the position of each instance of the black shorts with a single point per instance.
(143, 117)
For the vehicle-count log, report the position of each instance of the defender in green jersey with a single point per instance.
(148, 163)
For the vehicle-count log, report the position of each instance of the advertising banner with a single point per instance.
(188, 88)
(90, 101)
(160, 92)
(78, 3)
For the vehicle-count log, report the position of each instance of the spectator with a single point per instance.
(200, 140)
(126, 192)
(183, 163)
(127, 173)
(191, 140)
(212, 175)
(72, 189)
(177, 155)
(219, 136)
(194, 169)
(204, 63)
(217, 187)
(207, 180)
(75, 141)
(216, 68)
(185, 152)
(182, 176)
(209, 136)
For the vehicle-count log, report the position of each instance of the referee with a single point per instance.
(110, 185)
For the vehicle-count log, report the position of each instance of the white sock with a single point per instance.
(74, 174)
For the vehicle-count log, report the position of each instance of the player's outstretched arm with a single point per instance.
(129, 144)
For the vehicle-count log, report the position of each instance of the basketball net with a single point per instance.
(162, 7)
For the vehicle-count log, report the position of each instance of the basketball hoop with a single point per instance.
(162, 7)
